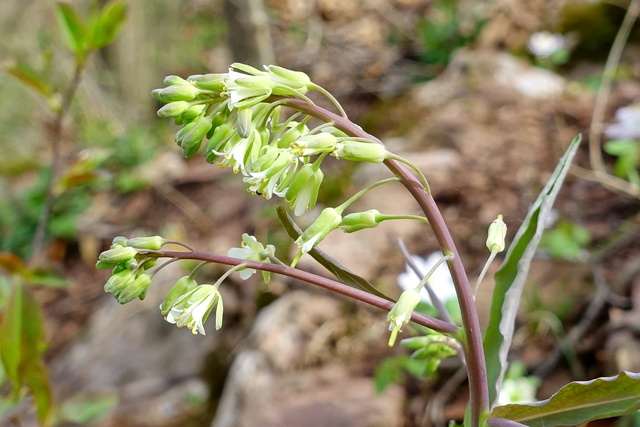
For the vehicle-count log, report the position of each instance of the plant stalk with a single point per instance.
(332, 285)
(472, 341)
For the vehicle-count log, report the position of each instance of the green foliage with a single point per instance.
(22, 345)
(567, 240)
(628, 159)
(392, 371)
(511, 276)
(82, 35)
(579, 402)
(20, 213)
(86, 409)
(443, 34)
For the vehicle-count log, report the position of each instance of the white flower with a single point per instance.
(440, 281)
(517, 387)
(246, 90)
(518, 390)
(544, 44)
(193, 308)
(627, 124)
(252, 250)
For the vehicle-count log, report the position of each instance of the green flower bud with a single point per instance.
(153, 243)
(401, 312)
(115, 256)
(303, 190)
(213, 82)
(359, 220)
(119, 281)
(221, 135)
(294, 79)
(184, 285)
(496, 235)
(175, 80)
(356, 151)
(244, 125)
(173, 109)
(191, 135)
(119, 241)
(328, 220)
(178, 93)
(291, 135)
(156, 94)
(134, 289)
(310, 145)
(192, 113)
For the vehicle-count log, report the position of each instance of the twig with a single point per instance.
(433, 413)
(314, 279)
(442, 312)
(595, 131)
(607, 181)
(474, 352)
(55, 141)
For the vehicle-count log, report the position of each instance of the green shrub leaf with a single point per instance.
(107, 26)
(72, 27)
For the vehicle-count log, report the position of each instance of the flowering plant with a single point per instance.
(263, 125)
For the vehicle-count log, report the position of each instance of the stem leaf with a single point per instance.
(510, 278)
(579, 402)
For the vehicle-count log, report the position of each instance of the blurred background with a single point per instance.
(484, 96)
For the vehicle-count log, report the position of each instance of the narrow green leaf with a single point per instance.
(11, 337)
(72, 28)
(341, 272)
(108, 25)
(579, 402)
(30, 77)
(35, 373)
(511, 276)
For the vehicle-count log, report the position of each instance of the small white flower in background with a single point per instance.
(544, 44)
(627, 124)
(517, 387)
(440, 281)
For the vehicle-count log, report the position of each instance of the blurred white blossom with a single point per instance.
(440, 281)
(518, 387)
(627, 124)
(543, 44)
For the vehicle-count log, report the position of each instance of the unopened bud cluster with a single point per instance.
(237, 118)
(129, 279)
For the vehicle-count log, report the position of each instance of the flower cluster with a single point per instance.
(239, 115)
(129, 279)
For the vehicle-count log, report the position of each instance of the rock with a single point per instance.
(282, 377)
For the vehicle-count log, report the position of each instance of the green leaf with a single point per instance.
(341, 272)
(22, 346)
(107, 26)
(72, 28)
(31, 78)
(579, 402)
(11, 337)
(86, 408)
(511, 276)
